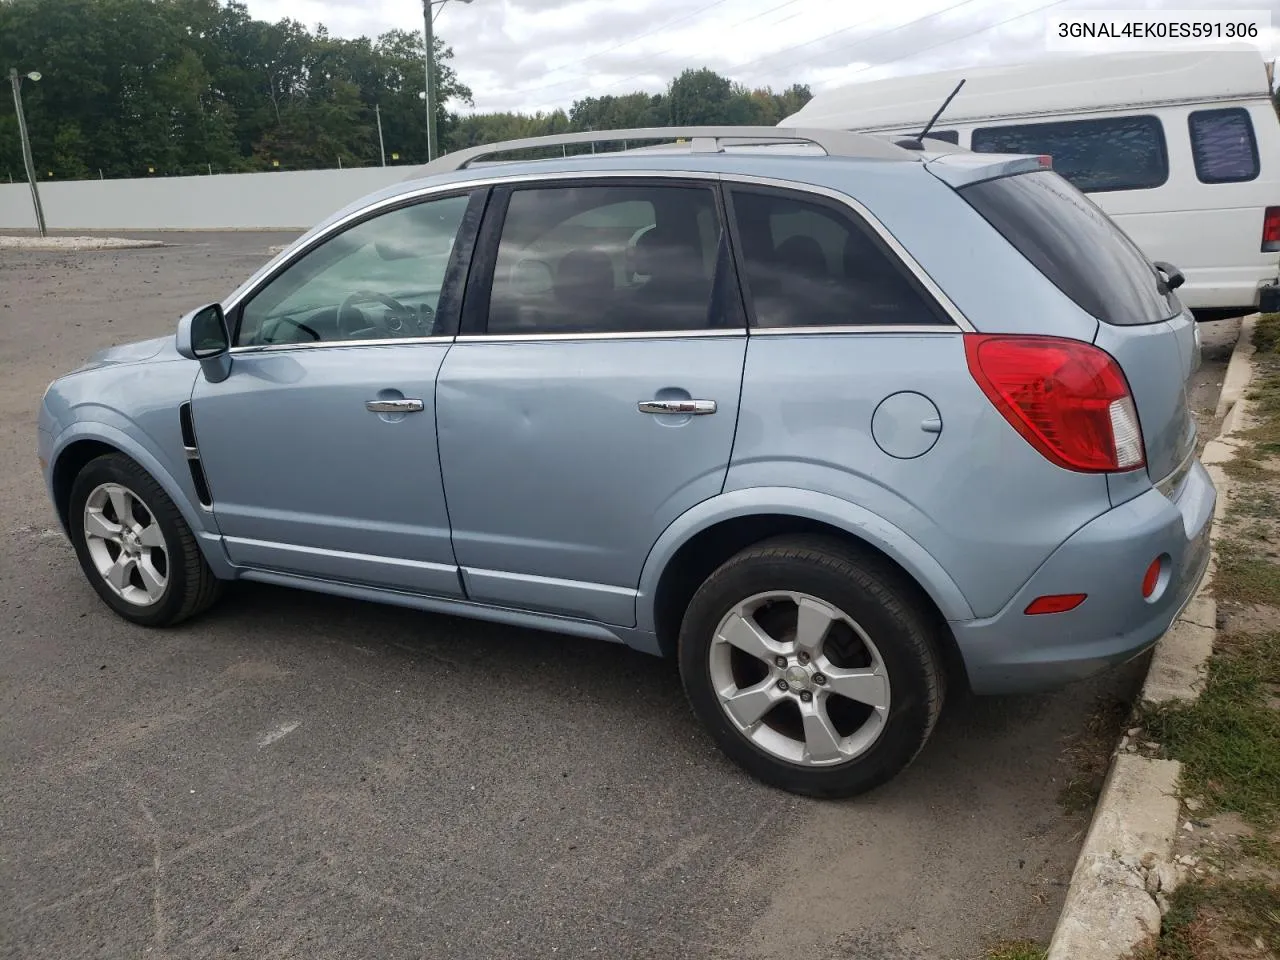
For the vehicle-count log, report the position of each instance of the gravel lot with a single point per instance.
(300, 776)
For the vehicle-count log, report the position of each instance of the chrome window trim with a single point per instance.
(636, 335)
(286, 259)
(323, 344)
(898, 329)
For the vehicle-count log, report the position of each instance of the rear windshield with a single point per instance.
(1073, 243)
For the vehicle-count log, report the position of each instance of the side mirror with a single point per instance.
(203, 336)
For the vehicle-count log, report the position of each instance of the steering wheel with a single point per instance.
(393, 324)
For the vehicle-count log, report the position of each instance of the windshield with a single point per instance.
(1077, 246)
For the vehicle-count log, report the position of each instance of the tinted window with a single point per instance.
(379, 279)
(1115, 153)
(606, 259)
(1223, 145)
(1073, 243)
(950, 136)
(808, 264)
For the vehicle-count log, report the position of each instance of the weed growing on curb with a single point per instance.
(1229, 739)
(1017, 950)
(1220, 920)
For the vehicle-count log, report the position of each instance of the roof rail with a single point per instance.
(836, 143)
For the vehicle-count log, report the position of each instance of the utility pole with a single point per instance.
(429, 32)
(16, 82)
(377, 112)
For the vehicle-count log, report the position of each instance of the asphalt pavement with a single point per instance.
(301, 776)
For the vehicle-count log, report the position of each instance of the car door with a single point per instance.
(320, 446)
(592, 395)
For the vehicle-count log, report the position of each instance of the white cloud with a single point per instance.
(543, 54)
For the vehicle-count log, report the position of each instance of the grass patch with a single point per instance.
(1244, 576)
(1088, 753)
(1266, 335)
(1223, 920)
(1229, 739)
(1017, 950)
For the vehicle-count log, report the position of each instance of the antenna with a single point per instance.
(934, 119)
(918, 142)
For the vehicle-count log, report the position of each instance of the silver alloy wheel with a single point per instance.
(126, 545)
(793, 675)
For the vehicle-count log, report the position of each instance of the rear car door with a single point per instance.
(320, 446)
(592, 395)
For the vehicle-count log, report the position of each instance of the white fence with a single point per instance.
(232, 201)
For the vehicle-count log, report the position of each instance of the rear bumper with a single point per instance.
(1106, 559)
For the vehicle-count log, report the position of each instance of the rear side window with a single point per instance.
(807, 263)
(607, 259)
(1223, 145)
(1073, 243)
(1112, 153)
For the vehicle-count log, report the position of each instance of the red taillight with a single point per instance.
(1057, 603)
(1069, 399)
(1271, 230)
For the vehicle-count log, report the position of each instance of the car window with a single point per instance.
(808, 264)
(605, 259)
(1077, 246)
(1111, 153)
(1223, 145)
(377, 280)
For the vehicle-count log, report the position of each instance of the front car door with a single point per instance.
(592, 395)
(320, 447)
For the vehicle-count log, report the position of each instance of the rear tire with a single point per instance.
(134, 546)
(775, 641)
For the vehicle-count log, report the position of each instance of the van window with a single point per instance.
(950, 136)
(1077, 246)
(1223, 145)
(1111, 153)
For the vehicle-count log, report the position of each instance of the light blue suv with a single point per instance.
(837, 422)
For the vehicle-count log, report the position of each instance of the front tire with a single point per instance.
(134, 546)
(812, 666)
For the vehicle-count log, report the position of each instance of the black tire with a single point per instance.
(191, 586)
(878, 598)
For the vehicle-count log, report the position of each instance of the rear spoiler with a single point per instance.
(962, 169)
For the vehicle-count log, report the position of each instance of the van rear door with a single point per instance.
(1142, 324)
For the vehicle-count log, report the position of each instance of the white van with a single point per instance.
(1182, 150)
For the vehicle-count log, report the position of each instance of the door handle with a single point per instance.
(695, 408)
(394, 406)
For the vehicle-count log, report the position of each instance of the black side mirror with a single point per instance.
(1173, 277)
(203, 336)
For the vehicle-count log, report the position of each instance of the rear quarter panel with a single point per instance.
(981, 502)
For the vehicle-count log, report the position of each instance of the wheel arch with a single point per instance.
(84, 441)
(707, 536)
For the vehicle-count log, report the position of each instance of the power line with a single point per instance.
(963, 36)
(645, 73)
(619, 46)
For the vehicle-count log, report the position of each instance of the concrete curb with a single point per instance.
(1125, 869)
(74, 244)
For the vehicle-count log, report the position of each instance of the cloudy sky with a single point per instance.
(542, 54)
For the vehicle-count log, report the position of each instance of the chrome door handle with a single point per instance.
(394, 406)
(695, 408)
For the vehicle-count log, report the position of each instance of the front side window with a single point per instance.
(807, 264)
(606, 259)
(1112, 153)
(377, 280)
(1223, 145)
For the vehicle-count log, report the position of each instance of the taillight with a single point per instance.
(1069, 399)
(1271, 230)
